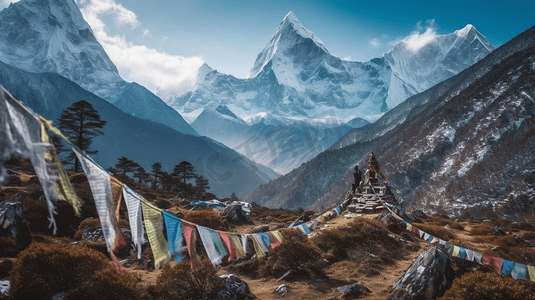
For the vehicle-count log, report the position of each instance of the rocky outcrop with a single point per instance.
(427, 278)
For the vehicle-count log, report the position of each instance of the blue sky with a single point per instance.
(228, 34)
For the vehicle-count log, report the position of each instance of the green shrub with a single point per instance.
(42, 271)
(207, 218)
(489, 286)
(178, 282)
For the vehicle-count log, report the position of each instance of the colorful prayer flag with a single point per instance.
(240, 252)
(507, 267)
(153, 219)
(519, 271)
(212, 244)
(492, 261)
(531, 271)
(230, 246)
(175, 236)
(133, 205)
(257, 248)
(191, 241)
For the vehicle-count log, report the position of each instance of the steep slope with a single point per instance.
(296, 77)
(52, 36)
(220, 124)
(466, 142)
(143, 141)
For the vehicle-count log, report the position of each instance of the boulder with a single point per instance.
(235, 214)
(498, 231)
(234, 288)
(389, 221)
(419, 214)
(353, 291)
(261, 228)
(96, 235)
(282, 289)
(427, 278)
(12, 224)
(11, 219)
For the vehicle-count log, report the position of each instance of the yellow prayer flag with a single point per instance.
(154, 226)
(531, 271)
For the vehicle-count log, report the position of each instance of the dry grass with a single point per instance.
(483, 229)
(438, 231)
(491, 285)
(207, 218)
(43, 270)
(178, 282)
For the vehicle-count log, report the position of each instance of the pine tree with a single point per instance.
(81, 123)
(184, 171)
(142, 176)
(201, 186)
(126, 165)
(157, 173)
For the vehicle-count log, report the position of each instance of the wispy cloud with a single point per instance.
(422, 36)
(375, 42)
(149, 67)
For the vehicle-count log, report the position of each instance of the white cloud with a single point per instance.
(149, 67)
(418, 39)
(375, 43)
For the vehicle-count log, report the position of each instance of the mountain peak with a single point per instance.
(465, 31)
(289, 33)
(470, 32)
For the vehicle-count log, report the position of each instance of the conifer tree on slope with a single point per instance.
(81, 123)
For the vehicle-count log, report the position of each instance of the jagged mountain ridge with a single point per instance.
(464, 143)
(141, 140)
(296, 77)
(52, 36)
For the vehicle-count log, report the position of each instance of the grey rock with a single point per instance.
(4, 287)
(498, 231)
(427, 277)
(236, 214)
(234, 288)
(353, 291)
(282, 289)
(11, 219)
(261, 228)
(420, 214)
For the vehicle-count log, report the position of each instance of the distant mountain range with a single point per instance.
(297, 82)
(49, 59)
(42, 36)
(462, 146)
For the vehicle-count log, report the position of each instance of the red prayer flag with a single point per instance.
(231, 248)
(492, 261)
(274, 241)
(189, 234)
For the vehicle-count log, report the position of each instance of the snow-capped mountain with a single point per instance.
(464, 146)
(143, 141)
(296, 77)
(43, 36)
